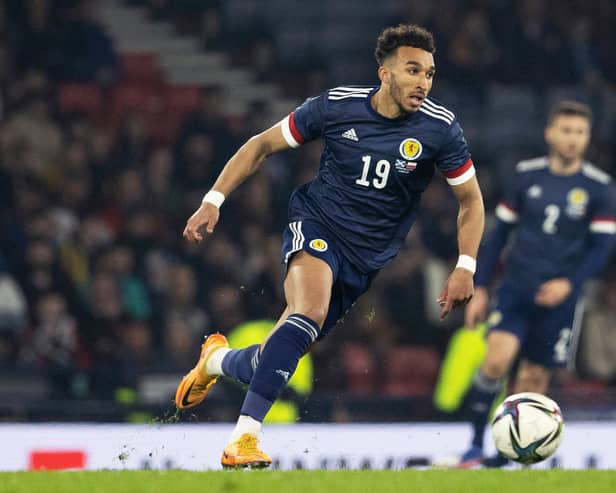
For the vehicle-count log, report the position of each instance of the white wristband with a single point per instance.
(214, 197)
(467, 262)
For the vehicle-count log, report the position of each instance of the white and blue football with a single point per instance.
(527, 427)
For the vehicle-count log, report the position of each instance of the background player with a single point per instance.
(562, 210)
(381, 145)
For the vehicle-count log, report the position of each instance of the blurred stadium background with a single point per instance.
(115, 117)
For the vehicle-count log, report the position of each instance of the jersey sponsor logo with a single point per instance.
(318, 244)
(350, 134)
(534, 192)
(410, 149)
(577, 200)
(405, 167)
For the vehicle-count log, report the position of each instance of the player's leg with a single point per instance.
(308, 287)
(217, 359)
(240, 364)
(502, 348)
(509, 324)
(548, 345)
(532, 377)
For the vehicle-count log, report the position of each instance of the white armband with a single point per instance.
(214, 197)
(467, 262)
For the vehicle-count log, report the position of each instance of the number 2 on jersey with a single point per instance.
(552, 212)
(381, 170)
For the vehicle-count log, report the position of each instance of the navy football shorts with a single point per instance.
(349, 282)
(544, 333)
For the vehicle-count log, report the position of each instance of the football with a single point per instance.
(527, 427)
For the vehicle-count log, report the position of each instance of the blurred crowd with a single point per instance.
(96, 282)
(535, 42)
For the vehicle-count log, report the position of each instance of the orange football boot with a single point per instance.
(244, 453)
(197, 383)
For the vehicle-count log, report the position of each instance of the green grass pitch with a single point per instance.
(430, 481)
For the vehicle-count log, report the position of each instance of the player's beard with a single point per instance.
(397, 96)
(569, 159)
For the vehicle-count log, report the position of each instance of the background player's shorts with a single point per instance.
(349, 282)
(544, 333)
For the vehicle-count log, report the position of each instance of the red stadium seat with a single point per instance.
(135, 98)
(360, 368)
(179, 101)
(83, 98)
(411, 371)
(140, 67)
(165, 129)
(183, 99)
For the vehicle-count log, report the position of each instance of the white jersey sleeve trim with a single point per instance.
(505, 214)
(463, 178)
(603, 226)
(287, 134)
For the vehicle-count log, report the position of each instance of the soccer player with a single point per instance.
(562, 210)
(381, 147)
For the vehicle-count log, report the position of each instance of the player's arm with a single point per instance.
(490, 253)
(459, 287)
(555, 291)
(302, 125)
(246, 161)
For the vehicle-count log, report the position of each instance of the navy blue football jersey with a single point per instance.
(554, 217)
(373, 169)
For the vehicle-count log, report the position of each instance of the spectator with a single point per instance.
(31, 140)
(52, 343)
(13, 315)
(472, 56)
(92, 211)
(119, 261)
(181, 303)
(210, 121)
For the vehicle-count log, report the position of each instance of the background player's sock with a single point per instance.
(277, 363)
(245, 424)
(478, 403)
(239, 364)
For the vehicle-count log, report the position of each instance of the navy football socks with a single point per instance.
(277, 363)
(240, 364)
(478, 403)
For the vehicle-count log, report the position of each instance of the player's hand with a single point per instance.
(458, 291)
(553, 292)
(207, 215)
(477, 308)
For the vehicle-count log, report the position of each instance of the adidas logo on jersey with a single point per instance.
(350, 134)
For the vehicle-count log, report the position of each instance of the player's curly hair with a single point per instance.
(402, 35)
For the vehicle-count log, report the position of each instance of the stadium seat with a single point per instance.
(411, 371)
(183, 99)
(140, 67)
(135, 98)
(165, 129)
(178, 102)
(82, 98)
(359, 368)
